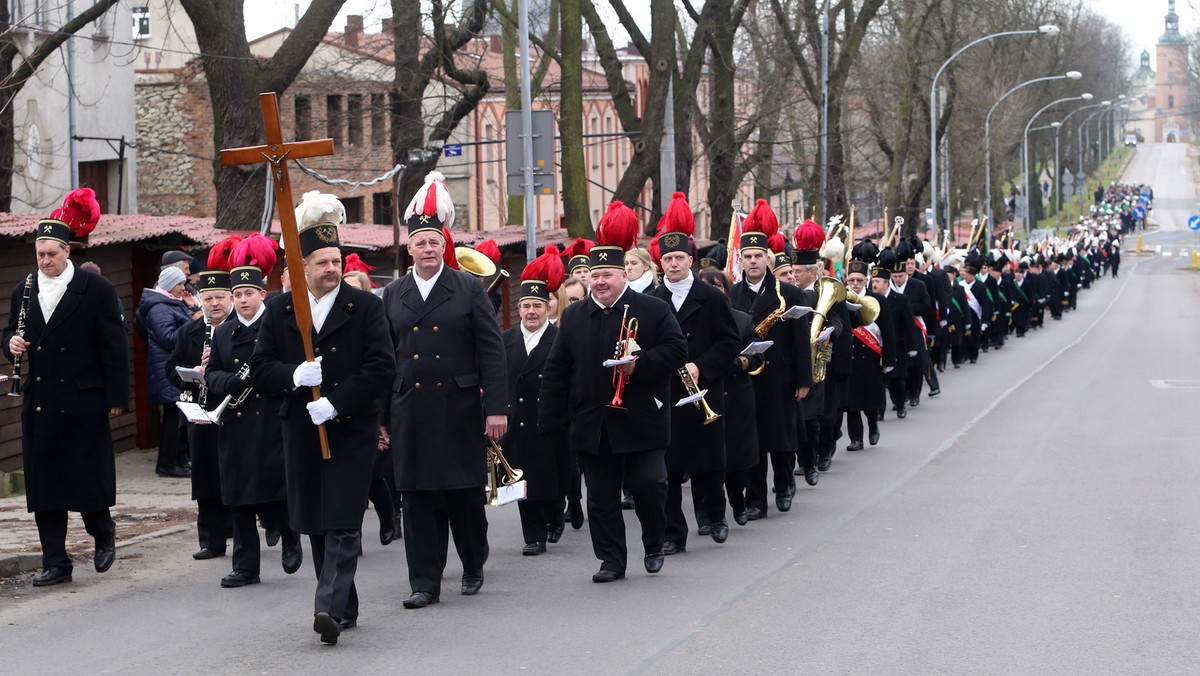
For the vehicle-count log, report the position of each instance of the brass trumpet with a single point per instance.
(625, 342)
(496, 462)
(230, 401)
(689, 384)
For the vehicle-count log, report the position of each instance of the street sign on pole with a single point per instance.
(452, 150)
(1139, 213)
(543, 153)
(1194, 223)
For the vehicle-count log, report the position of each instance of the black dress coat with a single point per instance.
(250, 438)
(980, 291)
(788, 362)
(543, 457)
(577, 388)
(447, 348)
(866, 376)
(202, 439)
(356, 369)
(891, 351)
(959, 317)
(706, 320)
(76, 369)
(741, 419)
(907, 335)
(922, 305)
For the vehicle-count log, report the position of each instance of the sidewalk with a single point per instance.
(148, 506)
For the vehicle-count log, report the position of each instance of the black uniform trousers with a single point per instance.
(430, 518)
(897, 386)
(708, 498)
(782, 465)
(52, 531)
(247, 550)
(854, 423)
(539, 517)
(212, 524)
(335, 559)
(735, 493)
(644, 473)
(914, 380)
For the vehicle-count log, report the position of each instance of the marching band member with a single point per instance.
(872, 356)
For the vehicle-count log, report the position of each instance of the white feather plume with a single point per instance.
(834, 250)
(316, 208)
(435, 181)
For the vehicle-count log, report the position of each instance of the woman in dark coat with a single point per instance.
(160, 315)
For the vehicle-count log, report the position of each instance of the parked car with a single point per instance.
(1131, 140)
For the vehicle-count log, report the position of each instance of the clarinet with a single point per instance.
(206, 346)
(15, 390)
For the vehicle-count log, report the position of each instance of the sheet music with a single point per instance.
(757, 347)
(190, 375)
(795, 312)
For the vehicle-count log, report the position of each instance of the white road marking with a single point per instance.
(1175, 384)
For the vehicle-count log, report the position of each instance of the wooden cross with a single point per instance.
(276, 153)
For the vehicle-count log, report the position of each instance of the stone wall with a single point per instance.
(175, 148)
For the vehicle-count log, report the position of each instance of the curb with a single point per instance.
(19, 564)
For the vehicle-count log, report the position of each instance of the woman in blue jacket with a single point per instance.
(160, 315)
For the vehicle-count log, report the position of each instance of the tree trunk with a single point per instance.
(723, 146)
(570, 124)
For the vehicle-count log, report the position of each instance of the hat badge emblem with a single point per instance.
(47, 228)
(603, 255)
(245, 276)
(672, 239)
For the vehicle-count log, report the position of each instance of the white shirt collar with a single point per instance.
(262, 307)
(533, 338)
(322, 306)
(52, 289)
(756, 288)
(423, 286)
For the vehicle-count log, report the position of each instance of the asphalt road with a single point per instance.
(1039, 517)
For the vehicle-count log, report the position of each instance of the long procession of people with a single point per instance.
(633, 372)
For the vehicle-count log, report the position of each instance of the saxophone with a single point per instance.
(764, 327)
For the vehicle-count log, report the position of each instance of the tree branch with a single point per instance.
(635, 33)
(287, 62)
(54, 40)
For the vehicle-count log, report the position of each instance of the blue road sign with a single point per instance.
(1139, 213)
(1144, 199)
(453, 150)
(1194, 223)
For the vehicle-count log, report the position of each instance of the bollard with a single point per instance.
(1139, 245)
(1195, 259)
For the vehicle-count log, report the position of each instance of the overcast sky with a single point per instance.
(1142, 20)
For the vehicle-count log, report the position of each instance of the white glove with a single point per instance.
(912, 353)
(983, 327)
(308, 374)
(943, 323)
(321, 411)
(889, 369)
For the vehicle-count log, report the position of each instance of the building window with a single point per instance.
(303, 118)
(141, 22)
(333, 119)
(1170, 103)
(354, 119)
(379, 120)
(381, 203)
(354, 209)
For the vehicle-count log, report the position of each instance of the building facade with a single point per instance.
(1172, 84)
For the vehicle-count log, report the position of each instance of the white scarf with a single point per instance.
(642, 283)
(532, 338)
(52, 289)
(679, 290)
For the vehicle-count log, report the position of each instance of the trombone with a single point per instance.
(689, 384)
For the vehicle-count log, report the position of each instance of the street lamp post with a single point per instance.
(1025, 146)
(933, 140)
(1059, 196)
(987, 127)
(1106, 148)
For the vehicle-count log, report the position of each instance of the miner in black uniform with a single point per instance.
(786, 376)
(250, 436)
(871, 354)
(192, 351)
(327, 498)
(924, 313)
(75, 377)
(998, 294)
(1024, 295)
(447, 348)
(544, 458)
(979, 303)
(617, 438)
(822, 401)
(907, 335)
(697, 444)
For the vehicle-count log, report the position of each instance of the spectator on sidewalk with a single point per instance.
(160, 315)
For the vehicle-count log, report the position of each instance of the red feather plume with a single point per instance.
(448, 256)
(256, 250)
(354, 263)
(776, 242)
(762, 219)
(679, 216)
(809, 236)
(618, 227)
(548, 267)
(653, 249)
(219, 255)
(580, 247)
(80, 211)
(488, 248)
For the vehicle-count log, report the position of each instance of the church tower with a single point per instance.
(1172, 86)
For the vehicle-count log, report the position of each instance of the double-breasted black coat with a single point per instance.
(76, 369)
(202, 439)
(543, 457)
(447, 347)
(250, 438)
(906, 333)
(706, 320)
(356, 368)
(788, 363)
(867, 383)
(577, 387)
(741, 417)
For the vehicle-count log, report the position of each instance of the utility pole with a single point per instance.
(527, 132)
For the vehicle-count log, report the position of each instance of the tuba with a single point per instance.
(829, 291)
(474, 262)
(689, 384)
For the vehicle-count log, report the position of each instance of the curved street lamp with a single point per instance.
(987, 126)
(1025, 148)
(1085, 133)
(1058, 194)
(1048, 29)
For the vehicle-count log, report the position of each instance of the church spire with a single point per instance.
(1171, 24)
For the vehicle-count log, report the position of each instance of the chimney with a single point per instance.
(354, 30)
(386, 29)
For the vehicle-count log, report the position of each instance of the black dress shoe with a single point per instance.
(935, 392)
(627, 502)
(670, 548)
(347, 624)
(811, 476)
(272, 537)
(720, 532)
(420, 600)
(553, 536)
(755, 513)
(902, 414)
(472, 583)
(873, 437)
(654, 562)
(855, 446)
(292, 557)
(575, 514)
(327, 627)
(239, 578)
(531, 549)
(606, 575)
(740, 518)
(706, 529)
(783, 502)
(914, 402)
(173, 472)
(387, 535)
(52, 576)
(206, 553)
(824, 462)
(106, 553)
